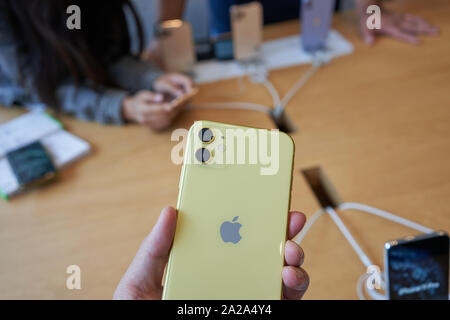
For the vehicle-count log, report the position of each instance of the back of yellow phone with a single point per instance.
(233, 202)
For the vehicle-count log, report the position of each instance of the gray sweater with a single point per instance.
(102, 105)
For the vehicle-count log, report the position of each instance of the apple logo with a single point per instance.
(229, 231)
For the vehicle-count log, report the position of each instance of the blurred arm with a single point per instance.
(133, 74)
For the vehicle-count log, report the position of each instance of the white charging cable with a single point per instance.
(340, 224)
(319, 59)
(385, 215)
(308, 225)
(389, 216)
(373, 293)
(348, 236)
(272, 91)
(232, 105)
(299, 84)
(258, 73)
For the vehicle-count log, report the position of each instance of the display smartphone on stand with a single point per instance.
(316, 17)
(417, 268)
(246, 30)
(233, 203)
(177, 48)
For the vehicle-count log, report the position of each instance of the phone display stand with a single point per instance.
(277, 54)
(330, 203)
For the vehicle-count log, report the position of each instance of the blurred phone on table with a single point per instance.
(246, 28)
(417, 267)
(177, 47)
(316, 17)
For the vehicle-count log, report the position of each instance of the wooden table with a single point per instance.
(377, 121)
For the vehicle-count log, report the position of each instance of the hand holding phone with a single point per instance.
(144, 276)
(176, 88)
(149, 109)
(177, 102)
(174, 84)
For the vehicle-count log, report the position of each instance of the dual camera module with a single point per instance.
(206, 136)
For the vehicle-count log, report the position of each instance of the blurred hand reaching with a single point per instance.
(401, 26)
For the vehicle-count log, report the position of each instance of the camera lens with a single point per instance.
(202, 155)
(206, 135)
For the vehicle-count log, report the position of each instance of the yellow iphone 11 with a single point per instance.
(233, 203)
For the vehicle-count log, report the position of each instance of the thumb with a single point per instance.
(151, 96)
(156, 246)
(143, 278)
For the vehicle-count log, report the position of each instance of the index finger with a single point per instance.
(423, 25)
(399, 34)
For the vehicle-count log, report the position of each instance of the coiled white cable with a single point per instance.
(370, 292)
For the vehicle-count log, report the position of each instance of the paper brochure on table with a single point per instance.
(62, 146)
(276, 54)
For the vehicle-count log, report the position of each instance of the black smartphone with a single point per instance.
(223, 46)
(31, 164)
(417, 268)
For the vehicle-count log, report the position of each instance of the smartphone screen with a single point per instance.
(31, 164)
(418, 268)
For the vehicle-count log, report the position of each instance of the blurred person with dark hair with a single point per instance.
(88, 72)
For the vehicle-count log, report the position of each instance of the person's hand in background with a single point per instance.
(143, 279)
(175, 84)
(148, 108)
(401, 26)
